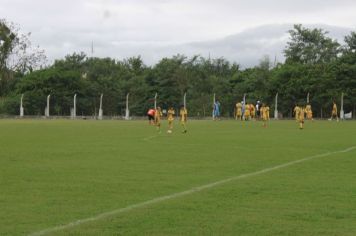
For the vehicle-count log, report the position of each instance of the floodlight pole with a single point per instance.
(101, 107)
(308, 98)
(47, 107)
(185, 100)
(342, 107)
(21, 107)
(127, 111)
(155, 103)
(276, 108)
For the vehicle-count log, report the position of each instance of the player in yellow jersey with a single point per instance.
(247, 112)
(267, 111)
(296, 112)
(252, 111)
(158, 115)
(301, 117)
(183, 118)
(309, 112)
(238, 111)
(170, 118)
(334, 112)
(264, 115)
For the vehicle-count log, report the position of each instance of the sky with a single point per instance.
(241, 31)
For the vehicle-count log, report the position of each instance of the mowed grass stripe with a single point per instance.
(180, 194)
(58, 171)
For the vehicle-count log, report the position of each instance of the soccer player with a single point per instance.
(247, 112)
(334, 112)
(158, 115)
(309, 112)
(301, 117)
(296, 111)
(264, 114)
(151, 116)
(216, 110)
(267, 111)
(170, 118)
(252, 111)
(183, 118)
(258, 107)
(238, 111)
(243, 110)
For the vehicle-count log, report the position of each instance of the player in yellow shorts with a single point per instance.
(247, 112)
(252, 111)
(296, 111)
(267, 111)
(158, 115)
(309, 112)
(238, 111)
(183, 118)
(301, 117)
(264, 114)
(170, 118)
(334, 112)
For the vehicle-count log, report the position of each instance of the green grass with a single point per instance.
(53, 172)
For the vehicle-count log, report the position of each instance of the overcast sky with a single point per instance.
(157, 28)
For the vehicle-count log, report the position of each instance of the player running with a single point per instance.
(151, 116)
(183, 118)
(309, 112)
(158, 116)
(170, 118)
(301, 117)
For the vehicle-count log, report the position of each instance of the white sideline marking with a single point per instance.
(180, 194)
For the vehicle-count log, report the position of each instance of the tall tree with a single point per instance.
(17, 55)
(310, 46)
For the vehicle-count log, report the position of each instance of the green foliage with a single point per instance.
(315, 64)
(310, 46)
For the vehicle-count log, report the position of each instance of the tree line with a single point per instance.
(314, 64)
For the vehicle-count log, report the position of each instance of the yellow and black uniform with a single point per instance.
(183, 118)
(170, 117)
(334, 112)
(301, 117)
(264, 114)
(238, 110)
(309, 112)
(267, 112)
(158, 115)
(247, 112)
(253, 111)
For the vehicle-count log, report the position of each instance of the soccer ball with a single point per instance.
(169, 131)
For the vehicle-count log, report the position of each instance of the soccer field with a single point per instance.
(221, 178)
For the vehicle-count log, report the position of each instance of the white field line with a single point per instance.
(151, 137)
(184, 193)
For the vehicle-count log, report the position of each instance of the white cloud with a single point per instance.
(155, 28)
